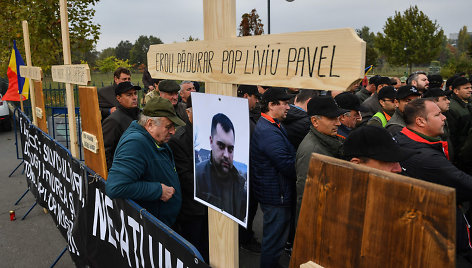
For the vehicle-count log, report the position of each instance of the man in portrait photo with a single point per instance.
(218, 182)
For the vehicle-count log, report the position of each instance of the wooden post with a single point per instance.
(92, 136)
(219, 21)
(69, 89)
(356, 216)
(28, 63)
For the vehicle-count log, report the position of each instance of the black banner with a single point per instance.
(54, 177)
(101, 232)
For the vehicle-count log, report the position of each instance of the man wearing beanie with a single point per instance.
(322, 137)
(403, 96)
(126, 111)
(374, 147)
(143, 168)
(273, 168)
(386, 100)
(350, 119)
(459, 117)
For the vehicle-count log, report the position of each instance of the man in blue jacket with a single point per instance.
(273, 169)
(143, 167)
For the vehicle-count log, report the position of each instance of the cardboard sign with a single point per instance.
(328, 60)
(34, 73)
(74, 74)
(89, 142)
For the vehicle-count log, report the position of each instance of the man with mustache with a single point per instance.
(218, 182)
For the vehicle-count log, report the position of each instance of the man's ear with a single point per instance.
(420, 121)
(314, 121)
(397, 103)
(355, 160)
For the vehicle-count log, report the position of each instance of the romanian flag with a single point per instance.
(17, 85)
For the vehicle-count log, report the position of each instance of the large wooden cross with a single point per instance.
(69, 74)
(327, 60)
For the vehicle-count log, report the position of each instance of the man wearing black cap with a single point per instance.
(322, 137)
(424, 125)
(106, 96)
(247, 239)
(273, 167)
(435, 81)
(251, 93)
(349, 119)
(169, 89)
(403, 96)
(374, 147)
(386, 102)
(459, 117)
(126, 111)
(442, 101)
(143, 168)
(370, 88)
(192, 221)
(297, 122)
(371, 104)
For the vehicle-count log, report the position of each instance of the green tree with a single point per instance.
(138, 54)
(45, 30)
(411, 38)
(107, 52)
(251, 24)
(371, 53)
(464, 41)
(123, 49)
(110, 64)
(191, 38)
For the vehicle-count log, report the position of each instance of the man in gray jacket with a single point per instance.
(322, 137)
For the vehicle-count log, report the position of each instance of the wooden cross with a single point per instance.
(327, 60)
(69, 74)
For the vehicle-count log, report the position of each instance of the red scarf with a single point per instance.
(410, 134)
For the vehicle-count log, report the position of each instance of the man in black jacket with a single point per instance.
(192, 221)
(297, 123)
(115, 125)
(106, 96)
(424, 125)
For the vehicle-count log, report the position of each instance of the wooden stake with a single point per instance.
(29, 64)
(69, 89)
(219, 20)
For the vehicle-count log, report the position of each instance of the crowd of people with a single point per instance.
(421, 128)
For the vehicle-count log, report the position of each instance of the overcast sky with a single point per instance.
(176, 20)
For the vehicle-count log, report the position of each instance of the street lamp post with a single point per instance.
(268, 14)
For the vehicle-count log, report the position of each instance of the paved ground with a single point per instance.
(35, 241)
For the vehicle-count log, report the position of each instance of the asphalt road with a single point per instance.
(35, 241)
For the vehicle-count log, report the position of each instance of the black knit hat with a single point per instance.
(376, 143)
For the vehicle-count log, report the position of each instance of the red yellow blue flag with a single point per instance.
(17, 85)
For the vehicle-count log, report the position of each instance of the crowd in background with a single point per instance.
(421, 127)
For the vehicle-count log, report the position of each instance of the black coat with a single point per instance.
(107, 100)
(113, 127)
(181, 145)
(430, 164)
(297, 124)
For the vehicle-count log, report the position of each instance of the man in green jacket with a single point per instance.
(322, 138)
(459, 117)
(143, 168)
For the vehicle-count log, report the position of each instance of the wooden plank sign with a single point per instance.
(328, 60)
(355, 216)
(40, 109)
(31, 72)
(92, 135)
(73, 73)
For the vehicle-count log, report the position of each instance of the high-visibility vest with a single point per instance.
(381, 116)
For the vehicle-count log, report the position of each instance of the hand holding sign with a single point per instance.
(167, 192)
